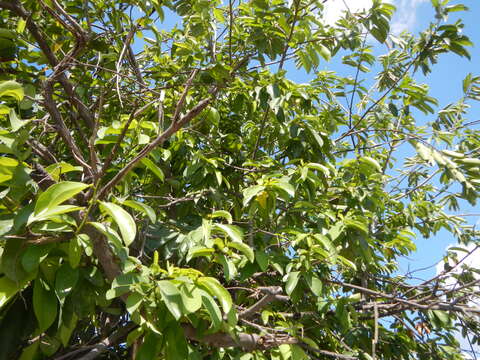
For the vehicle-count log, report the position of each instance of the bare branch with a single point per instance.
(62, 128)
(181, 101)
(126, 46)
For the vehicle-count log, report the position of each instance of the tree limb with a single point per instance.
(62, 128)
(273, 294)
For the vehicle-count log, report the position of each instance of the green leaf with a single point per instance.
(244, 249)
(49, 345)
(234, 232)
(142, 207)
(52, 213)
(11, 257)
(122, 285)
(191, 297)
(371, 162)
(133, 302)
(66, 329)
(222, 214)
(213, 115)
(8, 288)
(44, 305)
(315, 284)
(327, 245)
(134, 335)
(229, 268)
(111, 234)
(150, 346)
(66, 280)
(12, 89)
(150, 165)
(123, 219)
(469, 162)
(198, 251)
(344, 261)
(292, 281)
(15, 122)
(34, 255)
(336, 230)
(171, 297)
(442, 317)
(262, 259)
(57, 169)
(424, 152)
(324, 51)
(31, 352)
(285, 186)
(213, 310)
(214, 287)
(177, 347)
(75, 251)
(251, 192)
(57, 194)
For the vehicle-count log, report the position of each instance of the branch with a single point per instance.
(102, 346)
(181, 101)
(112, 153)
(409, 304)
(43, 179)
(126, 46)
(42, 151)
(243, 340)
(329, 353)
(172, 129)
(61, 127)
(273, 294)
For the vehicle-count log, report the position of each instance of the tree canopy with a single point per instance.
(169, 191)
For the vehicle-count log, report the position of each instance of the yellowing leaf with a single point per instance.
(262, 199)
(12, 89)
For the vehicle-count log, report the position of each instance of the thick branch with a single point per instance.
(273, 294)
(41, 177)
(102, 346)
(243, 340)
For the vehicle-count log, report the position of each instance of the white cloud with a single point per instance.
(406, 15)
(404, 18)
(335, 8)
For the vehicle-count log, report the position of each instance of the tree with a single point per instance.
(167, 192)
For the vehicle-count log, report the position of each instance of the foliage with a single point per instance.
(167, 192)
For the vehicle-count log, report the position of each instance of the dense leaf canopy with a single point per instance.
(168, 191)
